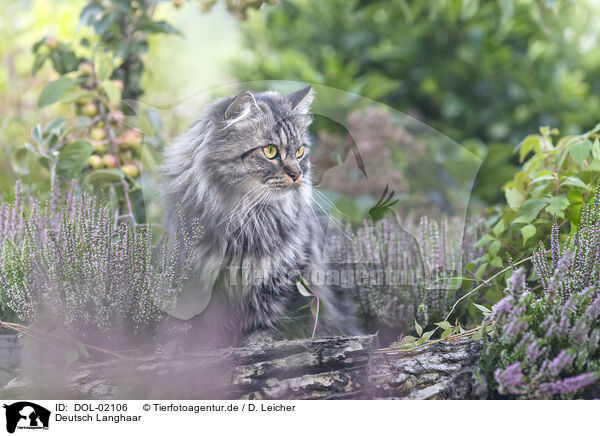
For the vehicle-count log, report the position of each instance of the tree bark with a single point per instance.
(324, 368)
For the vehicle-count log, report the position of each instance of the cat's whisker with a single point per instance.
(324, 197)
(337, 223)
(260, 217)
(256, 207)
(317, 220)
(245, 210)
(229, 217)
(329, 215)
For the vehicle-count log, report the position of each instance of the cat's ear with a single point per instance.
(301, 100)
(241, 106)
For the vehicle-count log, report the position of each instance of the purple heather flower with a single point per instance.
(504, 305)
(67, 258)
(565, 314)
(533, 352)
(517, 282)
(515, 327)
(592, 313)
(559, 363)
(569, 384)
(510, 379)
(554, 245)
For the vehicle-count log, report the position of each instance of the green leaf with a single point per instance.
(557, 205)
(303, 290)
(528, 231)
(481, 270)
(40, 59)
(575, 181)
(428, 334)
(594, 165)
(103, 65)
(36, 133)
(444, 325)
(483, 309)
(88, 14)
(477, 335)
(499, 228)
(39, 43)
(527, 145)
(313, 307)
(103, 24)
(54, 125)
(521, 220)
(158, 27)
(581, 150)
(496, 262)
(446, 333)
(531, 208)
(112, 90)
(514, 198)
(103, 178)
(543, 177)
(484, 240)
(596, 149)
(64, 61)
(53, 90)
(494, 248)
(418, 328)
(408, 339)
(73, 158)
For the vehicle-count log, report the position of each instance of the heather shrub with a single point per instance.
(546, 338)
(67, 259)
(406, 270)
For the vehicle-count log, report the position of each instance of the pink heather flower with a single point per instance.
(517, 282)
(504, 305)
(510, 379)
(559, 363)
(569, 384)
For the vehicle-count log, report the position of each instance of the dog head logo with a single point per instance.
(26, 415)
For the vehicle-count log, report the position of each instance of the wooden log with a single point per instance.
(324, 368)
(442, 371)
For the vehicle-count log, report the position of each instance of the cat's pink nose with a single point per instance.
(293, 173)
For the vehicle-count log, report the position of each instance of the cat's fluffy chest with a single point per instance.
(268, 247)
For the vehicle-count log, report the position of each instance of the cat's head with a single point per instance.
(261, 141)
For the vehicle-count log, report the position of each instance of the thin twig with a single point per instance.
(458, 335)
(114, 151)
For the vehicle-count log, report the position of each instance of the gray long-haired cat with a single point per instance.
(243, 170)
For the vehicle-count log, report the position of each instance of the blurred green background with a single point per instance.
(483, 73)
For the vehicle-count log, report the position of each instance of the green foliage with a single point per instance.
(491, 71)
(96, 144)
(557, 177)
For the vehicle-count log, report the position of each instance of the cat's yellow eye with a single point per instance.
(270, 151)
(300, 152)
